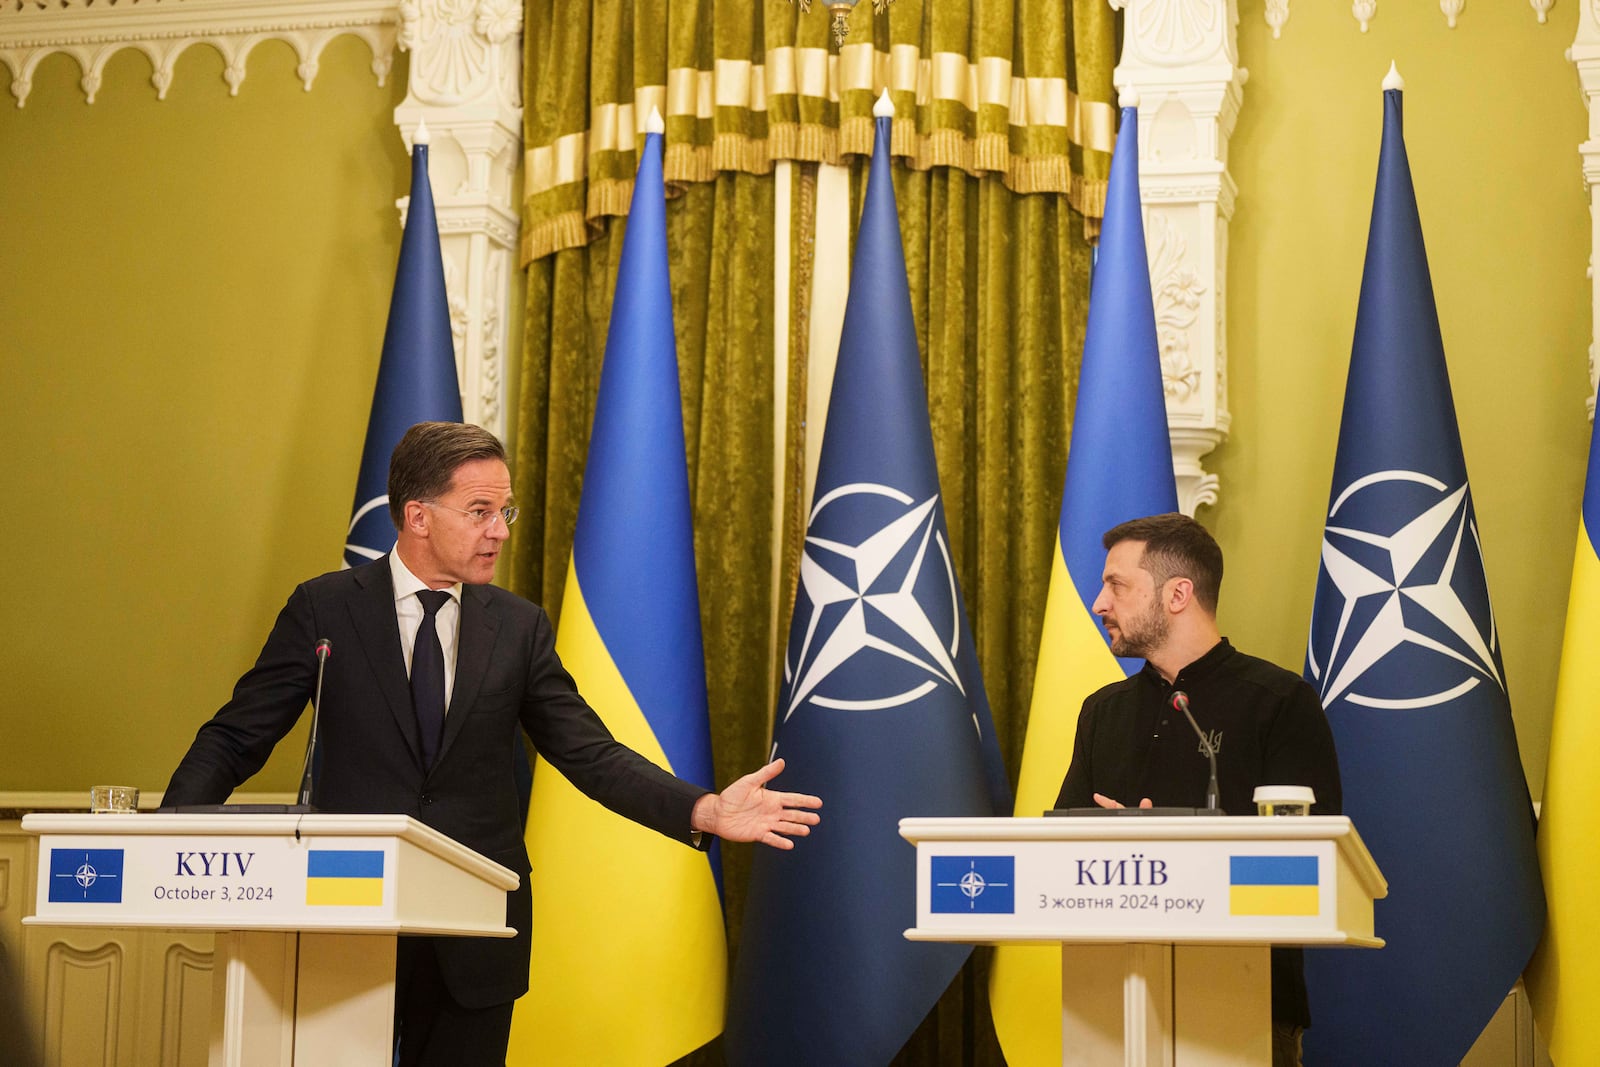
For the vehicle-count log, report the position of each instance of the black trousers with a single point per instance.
(431, 1029)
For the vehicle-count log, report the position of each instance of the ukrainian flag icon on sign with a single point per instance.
(1273, 885)
(974, 884)
(344, 877)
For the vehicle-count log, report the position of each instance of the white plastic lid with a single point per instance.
(1284, 794)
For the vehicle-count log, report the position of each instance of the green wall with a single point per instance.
(1493, 119)
(193, 301)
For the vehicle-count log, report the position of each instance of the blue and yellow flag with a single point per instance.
(1406, 657)
(629, 951)
(1273, 885)
(882, 711)
(417, 379)
(1119, 467)
(1564, 978)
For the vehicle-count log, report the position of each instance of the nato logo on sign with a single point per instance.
(974, 884)
(86, 875)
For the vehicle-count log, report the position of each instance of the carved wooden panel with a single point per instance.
(85, 1021)
(177, 1029)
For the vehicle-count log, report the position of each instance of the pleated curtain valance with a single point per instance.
(995, 88)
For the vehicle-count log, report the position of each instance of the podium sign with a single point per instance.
(1130, 879)
(237, 877)
(1181, 910)
(306, 908)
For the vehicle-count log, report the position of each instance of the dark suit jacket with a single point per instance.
(507, 677)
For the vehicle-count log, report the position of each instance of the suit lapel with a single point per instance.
(474, 643)
(372, 612)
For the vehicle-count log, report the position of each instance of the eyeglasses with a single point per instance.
(480, 516)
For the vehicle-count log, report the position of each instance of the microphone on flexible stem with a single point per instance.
(1180, 700)
(324, 650)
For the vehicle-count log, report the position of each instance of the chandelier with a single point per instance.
(840, 12)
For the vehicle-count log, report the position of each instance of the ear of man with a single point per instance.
(1179, 594)
(416, 514)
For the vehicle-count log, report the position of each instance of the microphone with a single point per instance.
(1180, 700)
(324, 649)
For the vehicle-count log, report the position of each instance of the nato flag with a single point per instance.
(417, 375)
(1406, 657)
(882, 710)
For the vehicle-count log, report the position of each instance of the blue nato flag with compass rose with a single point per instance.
(1405, 655)
(417, 373)
(882, 710)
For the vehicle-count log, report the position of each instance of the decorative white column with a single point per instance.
(1585, 55)
(466, 82)
(1180, 65)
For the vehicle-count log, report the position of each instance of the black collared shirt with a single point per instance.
(1267, 727)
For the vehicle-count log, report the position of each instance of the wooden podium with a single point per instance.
(306, 909)
(1164, 923)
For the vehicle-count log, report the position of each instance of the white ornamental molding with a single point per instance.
(1276, 13)
(1585, 56)
(1180, 66)
(465, 89)
(1364, 11)
(1178, 33)
(92, 31)
(1176, 290)
(463, 50)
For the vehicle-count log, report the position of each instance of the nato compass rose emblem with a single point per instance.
(1414, 628)
(877, 623)
(378, 531)
(971, 885)
(85, 875)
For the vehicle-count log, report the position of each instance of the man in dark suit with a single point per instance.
(436, 671)
(1158, 600)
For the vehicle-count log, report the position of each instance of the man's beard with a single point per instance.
(1141, 635)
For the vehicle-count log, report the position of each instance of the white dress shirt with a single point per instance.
(408, 610)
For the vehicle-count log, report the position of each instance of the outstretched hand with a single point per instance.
(1106, 802)
(748, 811)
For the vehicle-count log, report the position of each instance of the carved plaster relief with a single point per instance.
(1585, 56)
(1176, 290)
(93, 32)
(1180, 64)
(1364, 11)
(466, 85)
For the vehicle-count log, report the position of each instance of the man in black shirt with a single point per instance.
(1158, 601)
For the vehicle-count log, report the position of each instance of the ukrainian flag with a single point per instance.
(1119, 467)
(629, 952)
(1273, 885)
(1564, 976)
(344, 877)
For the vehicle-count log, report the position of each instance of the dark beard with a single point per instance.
(1141, 636)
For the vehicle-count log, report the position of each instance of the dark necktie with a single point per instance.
(427, 676)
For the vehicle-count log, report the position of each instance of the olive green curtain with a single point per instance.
(1002, 135)
(1018, 90)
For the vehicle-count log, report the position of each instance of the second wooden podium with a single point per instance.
(1164, 923)
(306, 908)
